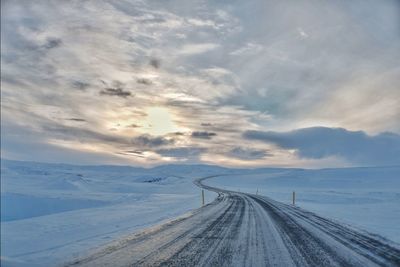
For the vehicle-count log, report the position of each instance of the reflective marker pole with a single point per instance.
(294, 197)
(202, 197)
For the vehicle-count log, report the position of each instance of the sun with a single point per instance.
(159, 121)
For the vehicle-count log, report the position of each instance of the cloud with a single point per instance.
(144, 81)
(136, 153)
(203, 135)
(149, 141)
(208, 63)
(64, 132)
(76, 119)
(80, 85)
(182, 152)
(248, 49)
(302, 33)
(248, 153)
(192, 49)
(321, 142)
(115, 92)
(155, 63)
(53, 43)
(133, 125)
(178, 133)
(305, 68)
(18, 143)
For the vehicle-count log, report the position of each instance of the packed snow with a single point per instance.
(52, 213)
(367, 198)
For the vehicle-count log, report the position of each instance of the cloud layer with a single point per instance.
(321, 142)
(153, 82)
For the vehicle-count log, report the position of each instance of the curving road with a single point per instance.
(240, 229)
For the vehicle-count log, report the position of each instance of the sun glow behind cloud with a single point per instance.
(159, 121)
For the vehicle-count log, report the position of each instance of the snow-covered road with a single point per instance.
(241, 229)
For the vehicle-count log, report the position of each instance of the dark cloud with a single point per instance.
(203, 135)
(182, 152)
(52, 43)
(320, 142)
(178, 133)
(133, 125)
(151, 141)
(115, 89)
(144, 81)
(115, 92)
(248, 153)
(80, 85)
(134, 152)
(155, 63)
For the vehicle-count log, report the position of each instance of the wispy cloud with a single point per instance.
(203, 135)
(76, 119)
(115, 92)
(190, 49)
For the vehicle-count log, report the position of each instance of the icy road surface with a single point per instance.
(241, 229)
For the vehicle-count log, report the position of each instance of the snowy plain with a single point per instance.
(52, 213)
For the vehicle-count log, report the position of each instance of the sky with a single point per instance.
(255, 83)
